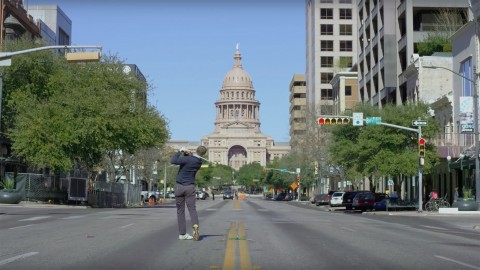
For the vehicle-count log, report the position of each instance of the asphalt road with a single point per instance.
(244, 234)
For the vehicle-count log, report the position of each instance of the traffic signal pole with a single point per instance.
(420, 162)
(340, 119)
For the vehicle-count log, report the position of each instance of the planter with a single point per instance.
(469, 205)
(10, 196)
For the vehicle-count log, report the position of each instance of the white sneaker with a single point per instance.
(185, 237)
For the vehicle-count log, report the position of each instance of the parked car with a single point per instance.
(202, 195)
(337, 199)
(288, 197)
(348, 199)
(323, 198)
(280, 196)
(227, 195)
(394, 204)
(365, 200)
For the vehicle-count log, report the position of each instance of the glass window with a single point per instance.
(345, 29)
(348, 90)
(326, 94)
(326, 61)
(466, 71)
(345, 13)
(326, 1)
(326, 29)
(345, 45)
(326, 45)
(326, 13)
(326, 77)
(345, 1)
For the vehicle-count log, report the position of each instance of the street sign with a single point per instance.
(417, 123)
(357, 119)
(390, 182)
(373, 120)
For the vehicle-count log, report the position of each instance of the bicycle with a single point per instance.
(434, 204)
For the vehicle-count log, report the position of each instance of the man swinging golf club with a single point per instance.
(185, 189)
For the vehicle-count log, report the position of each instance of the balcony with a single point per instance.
(453, 144)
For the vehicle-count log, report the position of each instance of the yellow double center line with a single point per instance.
(233, 237)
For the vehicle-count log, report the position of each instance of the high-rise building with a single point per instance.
(331, 47)
(55, 26)
(388, 34)
(298, 104)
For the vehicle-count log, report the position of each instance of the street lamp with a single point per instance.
(476, 124)
(449, 160)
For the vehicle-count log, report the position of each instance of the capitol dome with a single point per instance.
(237, 77)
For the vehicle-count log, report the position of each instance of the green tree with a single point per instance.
(217, 176)
(249, 175)
(66, 116)
(377, 150)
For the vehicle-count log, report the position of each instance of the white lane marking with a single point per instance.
(432, 227)
(73, 217)
(459, 262)
(35, 218)
(348, 229)
(126, 226)
(12, 259)
(263, 210)
(211, 209)
(20, 227)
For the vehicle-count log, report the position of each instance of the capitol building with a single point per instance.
(237, 139)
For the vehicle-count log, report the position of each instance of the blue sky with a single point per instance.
(185, 48)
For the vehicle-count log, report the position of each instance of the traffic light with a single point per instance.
(333, 120)
(421, 147)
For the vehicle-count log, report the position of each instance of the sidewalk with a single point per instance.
(442, 212)
(30, 204)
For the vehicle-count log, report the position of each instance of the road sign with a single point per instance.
(357, 119)
(417, 123)
(373, 120)
(390, 182)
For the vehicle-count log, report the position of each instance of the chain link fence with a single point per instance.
(38, 187)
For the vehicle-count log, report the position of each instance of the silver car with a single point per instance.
(337, 199)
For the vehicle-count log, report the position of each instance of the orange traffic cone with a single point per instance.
(151, 202)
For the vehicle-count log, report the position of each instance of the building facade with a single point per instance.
(388, 34)
(55, 26)
(331, 47)
(345, 92)
(298, 102)
(237, 139)
(15, 22)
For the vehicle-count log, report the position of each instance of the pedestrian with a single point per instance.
(185, 189)
(213, 195)
(455, 196)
